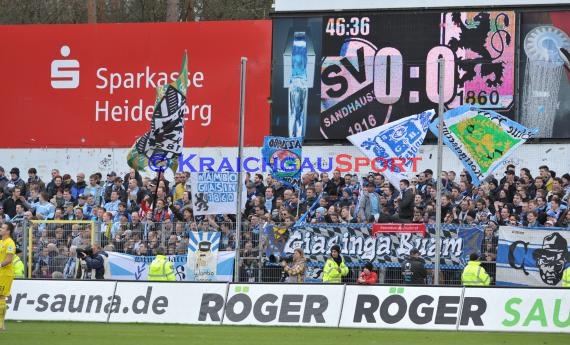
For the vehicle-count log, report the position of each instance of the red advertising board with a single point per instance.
(398, 227)
(93, 86)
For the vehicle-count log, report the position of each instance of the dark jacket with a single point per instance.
(406, 207)
(77, 189)
(15, 183)
(413, 271)
(10, 206)
(97, 263)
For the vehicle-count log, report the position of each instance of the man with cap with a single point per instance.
(428, 173)
(413, 269)
(108, 186)
(473, 274)
(15, 181)
(552, 258)
(335, 268)
(511, 170)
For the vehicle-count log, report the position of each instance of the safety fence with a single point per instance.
(50, 250)
(323, 305)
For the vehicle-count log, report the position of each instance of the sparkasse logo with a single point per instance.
(65, 72)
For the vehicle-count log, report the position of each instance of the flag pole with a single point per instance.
(156, 194)
(240, 181)
(299, 197)
(439, 184)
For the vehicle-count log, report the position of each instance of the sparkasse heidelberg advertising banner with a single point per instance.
(93, 85)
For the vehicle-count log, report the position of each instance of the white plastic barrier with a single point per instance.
(165, 302)
(111, 301)
(284, 304)
(522, 310)
(57, 300)
(402, 307)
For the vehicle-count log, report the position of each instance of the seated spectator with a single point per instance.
(368, 276)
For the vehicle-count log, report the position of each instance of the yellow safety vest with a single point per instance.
(566, 278)
(160, 269)
(18, 267)
(475, 275)
(331, 273)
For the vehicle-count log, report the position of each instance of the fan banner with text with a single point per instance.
(532, 257)
(215, 192)
(283, 156)
(96, 83)
(481, 139)
(341, 75)
(359, 243)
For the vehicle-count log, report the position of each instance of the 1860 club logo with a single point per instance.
(391, 70)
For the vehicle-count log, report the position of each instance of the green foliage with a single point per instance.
(125, 11)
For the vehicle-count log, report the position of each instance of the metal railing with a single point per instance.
(48, 247)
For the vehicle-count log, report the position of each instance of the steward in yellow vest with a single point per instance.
(335, 268)
(18, 265)
(474, 274)
(566, 278)
(160, 269)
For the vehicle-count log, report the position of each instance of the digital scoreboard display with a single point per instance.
(367, 70)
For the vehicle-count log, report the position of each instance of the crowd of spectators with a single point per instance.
(136, 215)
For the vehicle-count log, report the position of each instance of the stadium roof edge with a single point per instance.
(341, 5)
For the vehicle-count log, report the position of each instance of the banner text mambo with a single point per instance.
(344, 163)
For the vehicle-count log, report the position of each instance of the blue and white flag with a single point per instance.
(481, 139)
(202, 256)
(283, 158)
(393, 146)
(532, 256)
(131, 267)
